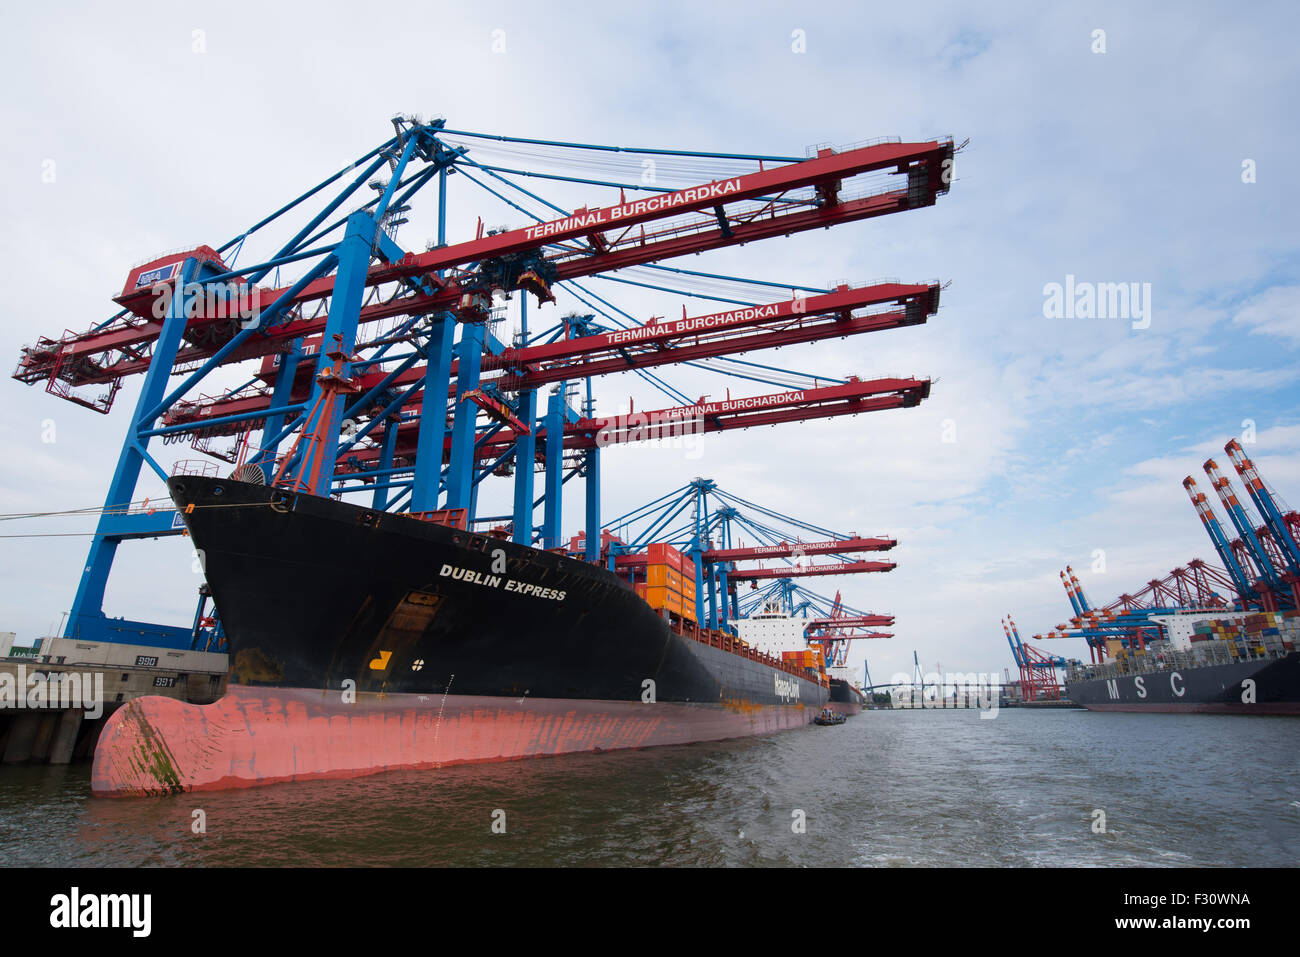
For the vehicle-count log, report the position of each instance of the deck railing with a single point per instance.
(725, 641)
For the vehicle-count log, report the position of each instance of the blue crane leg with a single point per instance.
(87, 607)
(460, 469)
(593, 505)
(525, 454)
(432, 435)
(280, 397)
(354, 253)
(385, 462)
(552, 512)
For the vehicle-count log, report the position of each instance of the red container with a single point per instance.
(661, 553)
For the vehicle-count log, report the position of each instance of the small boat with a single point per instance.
(827, 716)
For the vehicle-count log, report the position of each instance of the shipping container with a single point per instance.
(665, 576)
(661, 553)
(659, 598)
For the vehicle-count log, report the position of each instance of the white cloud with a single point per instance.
(1274, 312)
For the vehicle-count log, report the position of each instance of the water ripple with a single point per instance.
(888, 789)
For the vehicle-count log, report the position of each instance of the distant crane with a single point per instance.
(1037, 669)
(918, 676)
(1129, 619)
(705, 522)
(1284, 526)
(1261, 569)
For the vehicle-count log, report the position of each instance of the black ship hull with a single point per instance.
(1253, 686)
(845, 698)
(336, 613)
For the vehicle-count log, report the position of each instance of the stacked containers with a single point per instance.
(1257, 626)
(1255, 631)
(688, 588)
(667, 585)
(809, 658)
(1225, 629)
(1270, 628)
(1289, 629)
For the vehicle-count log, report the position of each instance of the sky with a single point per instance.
(1163, 159)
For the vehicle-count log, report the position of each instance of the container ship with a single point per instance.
(363, 641)
(776, 632)
(1240, 664)
(845, 697)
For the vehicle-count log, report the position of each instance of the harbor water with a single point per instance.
(896, 789)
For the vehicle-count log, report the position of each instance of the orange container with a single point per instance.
(665, 576)
(663, 598)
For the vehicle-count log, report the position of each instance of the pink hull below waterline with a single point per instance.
(255, 736)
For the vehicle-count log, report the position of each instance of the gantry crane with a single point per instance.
(838, 630)
(710, 537)
(1261, 569)
(1281, 528)
(1131, 619)
(1038, 679)
(389, 371)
